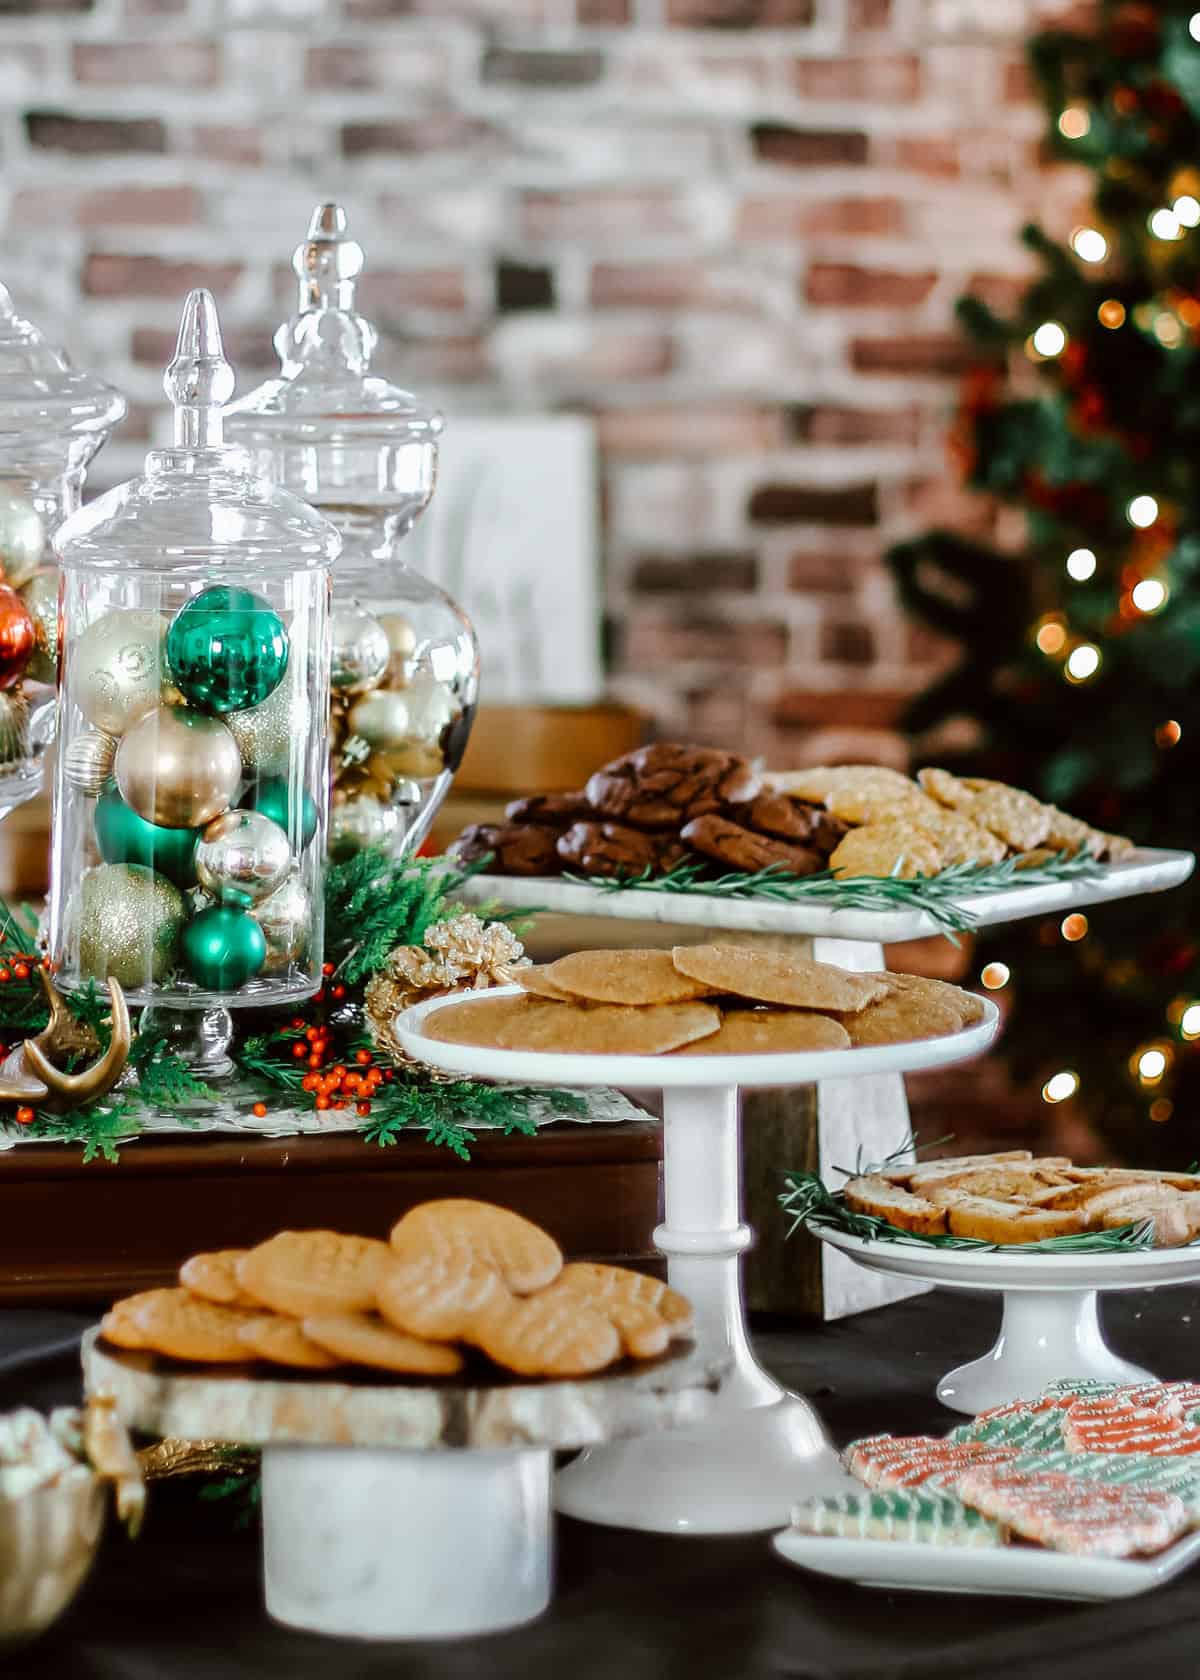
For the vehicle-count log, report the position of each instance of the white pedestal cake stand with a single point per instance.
(1051, 1325)
(401, 1508)
(764, 1447)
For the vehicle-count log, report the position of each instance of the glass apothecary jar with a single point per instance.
(191, 795)
(405, 667)
(53, 420)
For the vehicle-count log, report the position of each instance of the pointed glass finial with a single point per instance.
(199, 381)
(328, 262)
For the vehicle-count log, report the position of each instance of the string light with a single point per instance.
(1188, 311)
(1060, 1086)
(1090, 245)
(1168, 734)
(1074, 927)
(1050, 339)
(1189, 1021)
(1150, 1064)
(1081, 564)
(1111, 313)
(1083, 662)
(997, 974)
(1167, 330)
(1075, 121)
(1050, 638)
(1161, 1109)
(1164, 224)
(1142, 512)
(1150, 595)
(1194, 26)
(1186, 210)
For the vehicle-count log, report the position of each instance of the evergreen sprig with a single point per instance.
(374, 903)
(448, 1113)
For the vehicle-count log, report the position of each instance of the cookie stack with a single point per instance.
(651, 809)
(703, 1000)
(454, 1275)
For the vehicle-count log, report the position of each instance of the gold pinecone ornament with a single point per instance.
(460, 954)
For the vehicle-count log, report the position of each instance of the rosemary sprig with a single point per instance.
(942, 897)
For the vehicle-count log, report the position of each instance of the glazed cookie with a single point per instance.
(514, 848)
(662, 786)
(302, 1272)
(735, 847)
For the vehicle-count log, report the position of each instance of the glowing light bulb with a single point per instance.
(1083, 662)
(1168, 734)
(1090, 245)
(1074, 927)
(1050, 339)
(1142, 511)
(1075, 121)
(1168, 329)
(1111, 313)
(1161, 1109)
(1149, 596)
(1194, 26)
(997, 974)
(1060, 1086)
(1151, 1065)
(1189, 1021)
(1164, 224)
(1081, 564)
(1187, 210)
(1050, 638)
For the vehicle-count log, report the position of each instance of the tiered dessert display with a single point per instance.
(189, 819)
(53, 420)
(405, 662)
(699, 840)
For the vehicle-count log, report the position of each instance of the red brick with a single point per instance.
(129, 206)
(690, 429)
(718, 572)
(868, 14)
(602, 213)
(848, 708)
(534, 67)
(799, 504)
(830, 424)
(512, 13)
(825, 573)
(740, 14)
(584, 358)
(442, 131)
(807, 148)
(108, 274)
(934, 155)
(665, 285)
(1001, 292)
(345, 65)
(1018, 83)
(387, 293)
(652, 642)
(849, 287)
(453, 359)
(601, 14)
(85, 136)
(248, 348)
(846, 642)
(228, 142)
(914, 354)
(166, 63)
(879, 80)
(787, 219)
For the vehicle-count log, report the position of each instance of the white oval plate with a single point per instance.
(801, 1067)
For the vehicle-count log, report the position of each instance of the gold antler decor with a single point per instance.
(30, 1073)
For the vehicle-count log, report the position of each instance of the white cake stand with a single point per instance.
(765, 1448)
(1051, 1325)
(401, 1508)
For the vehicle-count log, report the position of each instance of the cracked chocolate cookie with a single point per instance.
(797, 820)
(736, 847)
(662, 786)
(604, 848)
(550, 810)
(515, 848)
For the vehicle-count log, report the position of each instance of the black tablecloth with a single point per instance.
(184, 1602)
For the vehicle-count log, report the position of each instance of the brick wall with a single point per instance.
(730, 230)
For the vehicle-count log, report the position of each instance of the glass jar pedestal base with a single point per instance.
(199, 1037)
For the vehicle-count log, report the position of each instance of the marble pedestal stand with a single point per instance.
(763, 1448)
(397, 1509)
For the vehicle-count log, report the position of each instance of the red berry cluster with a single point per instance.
(19, 966)
(334, 1084)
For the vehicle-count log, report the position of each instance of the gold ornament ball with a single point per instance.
(40, 595)
(402, 640)
(286, 921)
(178, 768)
(130, 922)
(88, 761)
(22, 539)
(359, 823)
(380, 718)
(118, 668)
(361, 650)
(267, 735)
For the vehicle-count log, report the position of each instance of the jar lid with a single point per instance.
(325, 391)
(47, 407)
(200, 507)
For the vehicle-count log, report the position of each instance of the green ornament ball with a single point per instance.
(223, 947)
(227, 649)
(130, 920)
(273, 797)
(125, 837)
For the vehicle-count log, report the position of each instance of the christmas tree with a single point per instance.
(1079, 674)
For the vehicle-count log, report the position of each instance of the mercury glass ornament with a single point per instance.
(286, 921)
(195, 631)
(365, 452)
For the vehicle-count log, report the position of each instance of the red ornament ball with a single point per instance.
(17, 636)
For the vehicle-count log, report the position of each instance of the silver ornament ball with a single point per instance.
(178, 768)
(359, 823)
(241, 857)
(361, 650)
(286, 921)
(117, 668)
(88, 761)
(130, 921)
(22, 539)
(40, 595)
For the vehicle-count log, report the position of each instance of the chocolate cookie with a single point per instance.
(784, 818)
(550, 810)
(662, 786)
(736, 847)
(596, 848)
(515, 848)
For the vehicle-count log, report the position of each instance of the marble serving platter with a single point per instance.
(1146, 870)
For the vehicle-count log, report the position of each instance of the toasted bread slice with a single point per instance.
(1001, 1222)
(1134, 1175)
(892, 1202)
(1105, 1182)
(1015, 1181)
(906, 1171)
(1172, 1226)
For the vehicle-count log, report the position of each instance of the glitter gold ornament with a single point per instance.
(88, 761)
(40, 595)
(241, 857)
(130, 921)
(22, 539)
(17, 636)
(361, 650)
(178, 768)
(118, 668)
(267, 735)
(286, 921)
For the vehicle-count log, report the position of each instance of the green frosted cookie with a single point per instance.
(929, 1519)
